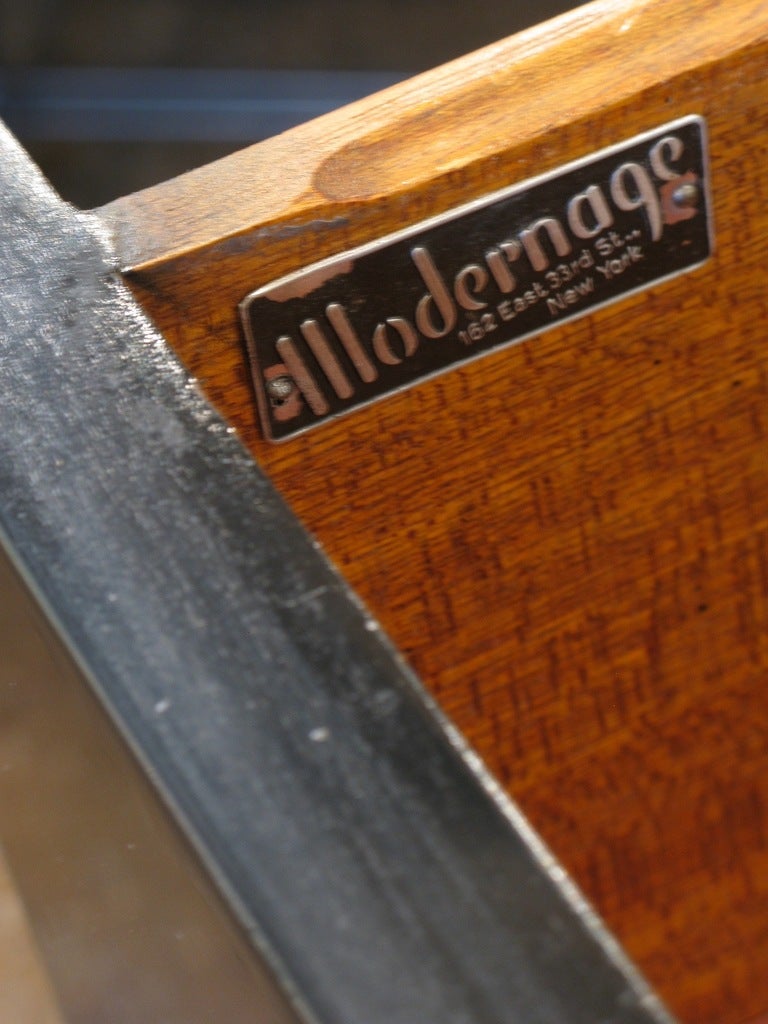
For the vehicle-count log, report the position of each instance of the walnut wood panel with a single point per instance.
(568, 538)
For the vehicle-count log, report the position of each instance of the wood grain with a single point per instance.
(568, 538)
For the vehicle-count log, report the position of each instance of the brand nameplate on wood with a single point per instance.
(496, 271)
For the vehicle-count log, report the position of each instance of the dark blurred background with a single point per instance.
(110, 97)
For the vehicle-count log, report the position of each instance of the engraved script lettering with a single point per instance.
(495, 272)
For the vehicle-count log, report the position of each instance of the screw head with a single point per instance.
(686, 194)
(280, 388)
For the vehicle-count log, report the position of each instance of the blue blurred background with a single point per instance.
(110, 97)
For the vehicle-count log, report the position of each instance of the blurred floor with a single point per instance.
(26, 996)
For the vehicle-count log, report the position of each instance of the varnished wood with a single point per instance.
(568, 538)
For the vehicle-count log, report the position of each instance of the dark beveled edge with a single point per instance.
(377, 867)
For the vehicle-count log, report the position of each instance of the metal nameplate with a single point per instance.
(381, 317)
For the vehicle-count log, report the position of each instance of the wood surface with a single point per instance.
(567, 538)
